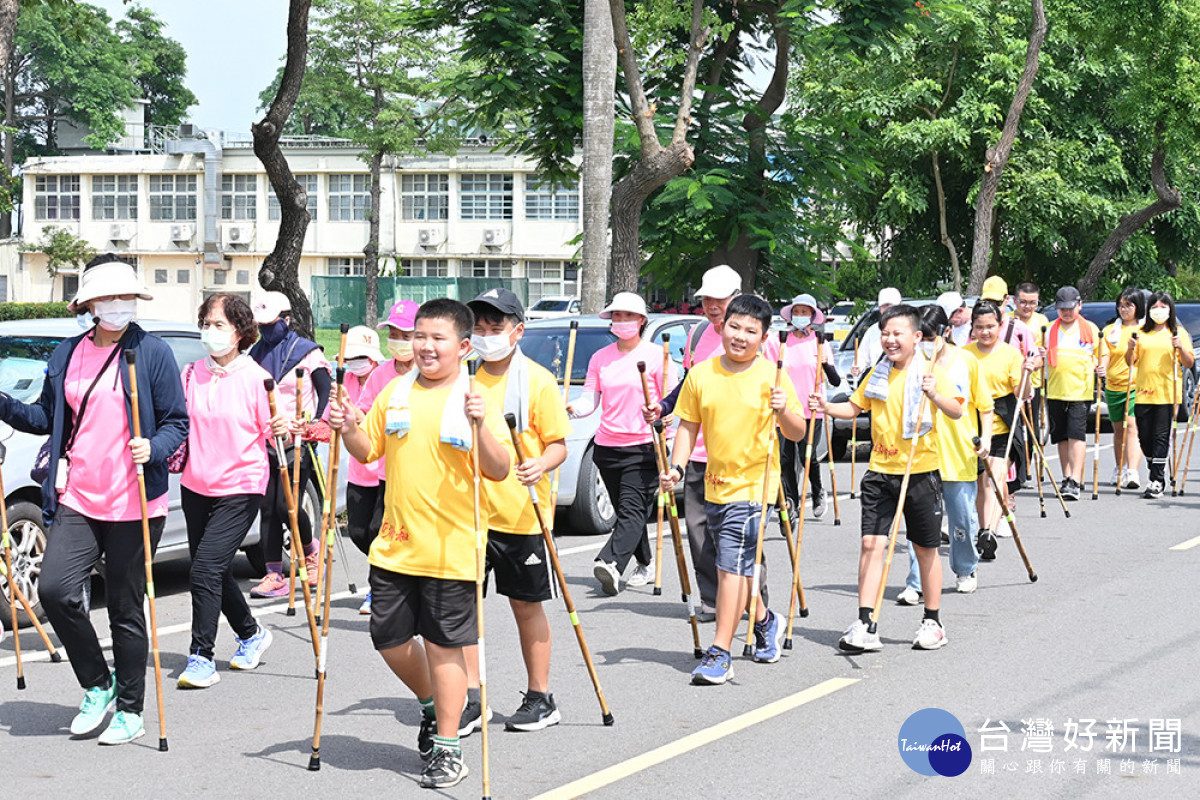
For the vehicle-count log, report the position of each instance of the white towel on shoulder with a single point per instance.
(455, 428)
(877, 389)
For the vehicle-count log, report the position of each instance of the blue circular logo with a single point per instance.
(933, 742)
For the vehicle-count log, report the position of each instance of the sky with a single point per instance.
(234, 48)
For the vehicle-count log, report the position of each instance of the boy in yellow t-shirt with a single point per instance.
(423, 560)
(516, 551)
(892, 399)
(1027, 298)
(732, 398)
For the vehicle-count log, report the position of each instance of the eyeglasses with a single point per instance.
(1033, 302)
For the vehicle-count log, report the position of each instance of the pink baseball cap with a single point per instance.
(403, 316)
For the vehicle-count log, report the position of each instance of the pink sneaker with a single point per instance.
(273, 585)
(310, 563)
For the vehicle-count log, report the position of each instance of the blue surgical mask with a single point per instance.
(800, 323)
(273, 333)
(85, 320)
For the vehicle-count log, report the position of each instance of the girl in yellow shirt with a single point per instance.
(1159, 350)
(1119, 396)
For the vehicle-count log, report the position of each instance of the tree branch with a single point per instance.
(643, 114)
(696, 42)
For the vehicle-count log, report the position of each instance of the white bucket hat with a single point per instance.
(625, 301)
(818, 318)
(720, 282)
(362, 341)
(270, 307)
(889, 297)
(109, 278)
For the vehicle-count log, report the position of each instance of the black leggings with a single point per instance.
(791, 461)
(74, 544)
(364, 514)
(631, 476)
(274, 507)
(1154, 433)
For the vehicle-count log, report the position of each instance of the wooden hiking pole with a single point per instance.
(1011, 519)
(1174, 416)
(1042, 455)
(685, 582)
(335, 455)
(772, 437)
(853, 431)
(808, 452)
(1096, 444)
(323, 488)
(1189, 436)
(873, 627)
(658, 541)
(1044, 422)
(796, 591)
(297, 548)
(131, 360)
(314, 760)
(837, 511)
(566, 399)
(605, 715)
(293, 518)
(480, 575)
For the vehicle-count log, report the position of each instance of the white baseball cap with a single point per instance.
(950, 302)
(720, 282)
(362, 341)
(625, 301)
(270, 307)
(889, 297)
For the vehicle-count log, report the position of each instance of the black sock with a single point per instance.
(932, 613)
(864, 614)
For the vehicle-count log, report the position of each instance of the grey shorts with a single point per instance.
(733, 527)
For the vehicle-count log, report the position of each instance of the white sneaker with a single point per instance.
(641, 575)
(857, 639)
(610, 579)
(1131, 480)
(966, 584)
(1115, 478)
(909, 597)
(930, 636)
(1002, 531)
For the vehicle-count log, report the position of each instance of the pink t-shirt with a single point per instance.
(230, 424)
(356, 473)
(285, 389)
(615, 376)
(382, 375)
(101, 480)
(800, 361)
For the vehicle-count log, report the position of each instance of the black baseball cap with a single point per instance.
(503, 300)
(1067, 297)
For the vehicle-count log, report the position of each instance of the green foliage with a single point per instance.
(159, 66)
(61, 248)
(9, 311)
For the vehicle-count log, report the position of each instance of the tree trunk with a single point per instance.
(371, 251)
(1169, 199)
(599, 120)
(947, 242)
(9, 11)
(628, 197)
(280, 270)
(997, 155)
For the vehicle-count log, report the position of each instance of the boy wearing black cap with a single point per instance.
(516, 551)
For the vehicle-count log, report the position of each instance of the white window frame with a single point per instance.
(239, 198)
(309, 182)
(425, 197)
(56, 197)
(114, 197)
(485, 196)
(557, 284)
(173, 198)
(424, 268)
(485, 268)
(354, 266)
(545, 202)
(349, 197)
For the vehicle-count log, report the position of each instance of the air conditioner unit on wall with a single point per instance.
(429, 237)
(239, 234)
(120, 232)
(494, 237)
(182, 233)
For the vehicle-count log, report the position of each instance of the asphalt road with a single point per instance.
(1106, 634)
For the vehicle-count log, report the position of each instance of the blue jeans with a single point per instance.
(963, 521)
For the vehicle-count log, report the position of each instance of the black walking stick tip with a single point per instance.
(472, 367)
(666, 338)
(747, 651)
(783, 337)
(299, 372)
(804, 612)
(341, 375)
(20, 683)
(658, 426)
(344, 327)
(269, 384)
(291, 612)
(837, 522)
(130, 357)
(641, 366)
(162, 744)
(607, 719)
(787, 644)
(574, 324)
(657, 591)
(1044, 513)
(1033, 577)
(314, 763)
(511, 419)
(56, 657)
(697, 653)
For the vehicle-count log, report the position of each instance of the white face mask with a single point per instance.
(85, 320)
(400, 349)
(216, 342)
(492, 348)
(927, 349)
(115, 315)
(800, 323)
(1160, 314)
(358, 366)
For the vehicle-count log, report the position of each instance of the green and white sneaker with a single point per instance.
(96, 704)
(125, 727)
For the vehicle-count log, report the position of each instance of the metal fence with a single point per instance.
(338, 299)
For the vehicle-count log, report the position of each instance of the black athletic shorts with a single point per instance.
(403, 606)
(923, 506)
(1068, 419)
(521, 566)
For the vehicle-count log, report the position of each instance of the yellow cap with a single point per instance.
(994, 288)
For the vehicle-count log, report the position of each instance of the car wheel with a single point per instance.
(593, 511)
(28, 534)
(310, 505)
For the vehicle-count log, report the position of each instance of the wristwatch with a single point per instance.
(678, 468)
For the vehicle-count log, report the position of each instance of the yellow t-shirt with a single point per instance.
(1116, 338)
(1037, 321)
(890, 453)
(733, 409)
(428, 525)
(1000, 373)
(1158, 378)
(512, 511)
(1074, 376)
(956, 454)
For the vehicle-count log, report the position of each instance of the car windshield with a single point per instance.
(550, 305)
(23, 365)
(548, 347)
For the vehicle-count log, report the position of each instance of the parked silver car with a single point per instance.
(582, 498)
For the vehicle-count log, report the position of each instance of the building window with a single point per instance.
(56, 197)
(349, 197)
(543, 201)
(3, 288)
(239, 197)
(173, 198)
(549, 278)
(243, 277)
(219, 277)
(160, 276)
(486, 268)
(114, 196)
(309, 182)
(425, 197)
(486, 196)
(423, 268)
(183, 276)
(345, 266)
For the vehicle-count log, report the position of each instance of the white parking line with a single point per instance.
(1188, 545)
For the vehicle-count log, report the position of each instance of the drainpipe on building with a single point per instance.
(208, 145)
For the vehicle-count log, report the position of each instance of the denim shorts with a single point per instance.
(734, 529)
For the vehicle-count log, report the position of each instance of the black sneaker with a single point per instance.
(425, 736)
(537, 711)
(1070, 489)
(472, 718)
(985, 543)
(444, 770)
(819, 505)
(1154, 490)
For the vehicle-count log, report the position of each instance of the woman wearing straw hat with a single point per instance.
(624, 445)
(90, 493)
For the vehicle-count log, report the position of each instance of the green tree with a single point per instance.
(159, 66)
(62, 249)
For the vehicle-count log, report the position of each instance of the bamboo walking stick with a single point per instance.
(1174, 416)
(472, 366)
(1025, 413)
(10, 577)
(335, 455)
(685, 582)
(1044, 422)
(837, 511)
(796, 591)
(1011, 519)
(605, 715)
(297, 549)
(1096, 444)
(131, 360)
(658, 539)
(1189, 436)
(853, 432)
(808, 452)
(566, 399)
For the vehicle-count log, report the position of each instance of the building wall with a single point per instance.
(170, 254)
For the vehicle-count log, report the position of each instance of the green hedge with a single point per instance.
(33, 311)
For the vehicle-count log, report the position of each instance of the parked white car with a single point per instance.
(553, 306)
